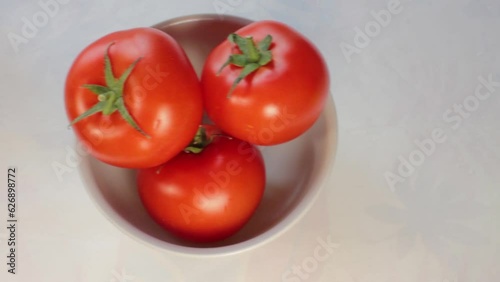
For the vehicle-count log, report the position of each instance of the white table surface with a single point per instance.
(439, 222)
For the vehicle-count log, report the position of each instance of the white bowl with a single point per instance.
(296, 171)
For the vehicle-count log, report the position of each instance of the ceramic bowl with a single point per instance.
(296, 171)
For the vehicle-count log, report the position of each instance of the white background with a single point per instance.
(439, 224)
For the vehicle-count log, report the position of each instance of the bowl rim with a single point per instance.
(290, 219)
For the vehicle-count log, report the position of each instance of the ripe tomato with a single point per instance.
(270, 89)
(205, 196)
(134, 98)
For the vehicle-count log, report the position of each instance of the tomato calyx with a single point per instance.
(204, 136)
(252, 57)
(110, 96)
(200, 141)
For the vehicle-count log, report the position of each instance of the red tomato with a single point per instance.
(147, 117)
(206, 196)
(283, 94)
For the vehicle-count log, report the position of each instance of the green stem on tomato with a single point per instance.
(253, 56)
(110, 96)
(110, 101)
(200, 141)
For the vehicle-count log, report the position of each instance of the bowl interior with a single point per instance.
(295, 170)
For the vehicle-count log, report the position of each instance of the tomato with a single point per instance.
(134, 98)
(267, 84)
(206, 196)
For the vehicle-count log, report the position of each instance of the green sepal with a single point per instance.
(125, 75)
(252, 58)
(95, 109)
(248, 69)
(200, 141)
(120, 106)
(97, 89)
(110, 96)
(108, 69)
(265, 43)
(265, 58)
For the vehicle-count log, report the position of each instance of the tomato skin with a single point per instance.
(279, 101)
(208, 196)
(162, 94)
